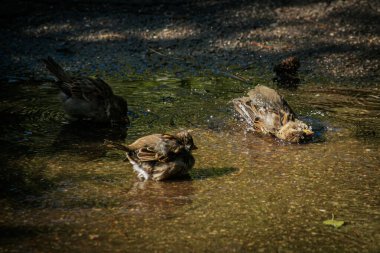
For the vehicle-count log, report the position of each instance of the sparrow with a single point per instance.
(159, 156)
(267, 112)
(287, 72)
(86, 98)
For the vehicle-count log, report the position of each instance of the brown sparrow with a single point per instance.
(160, 156)
(267, 112)
(87, 98)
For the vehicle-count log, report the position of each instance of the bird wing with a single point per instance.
(80, 87)
(260, 118)
(147, 154)
(87, 88)
(156, 147)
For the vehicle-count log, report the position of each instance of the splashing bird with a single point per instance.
(267, 112)
(86, 98)
(159, 156)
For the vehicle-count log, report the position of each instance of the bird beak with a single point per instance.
(194, 147)
(308, 132)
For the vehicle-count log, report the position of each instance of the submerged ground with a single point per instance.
(177, 64)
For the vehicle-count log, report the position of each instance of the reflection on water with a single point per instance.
(62, 191)
(82, 138)
(158, 198)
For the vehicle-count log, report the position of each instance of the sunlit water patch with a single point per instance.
(62, 191)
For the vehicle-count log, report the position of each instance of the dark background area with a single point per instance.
(335, 40)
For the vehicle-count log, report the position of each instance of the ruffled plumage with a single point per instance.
(267, 112)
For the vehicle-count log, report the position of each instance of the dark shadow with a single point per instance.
(13, 237)
(86, 139)
(17, 179)
(34, 29)
(19, 232)
(87, 131)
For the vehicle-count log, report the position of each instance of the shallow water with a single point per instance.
(62, 191)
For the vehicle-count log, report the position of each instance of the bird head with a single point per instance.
(295, 131)
(187, 140)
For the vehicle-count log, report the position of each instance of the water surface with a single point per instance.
(62, 191)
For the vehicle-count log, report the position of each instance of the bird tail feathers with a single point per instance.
(56, 69)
